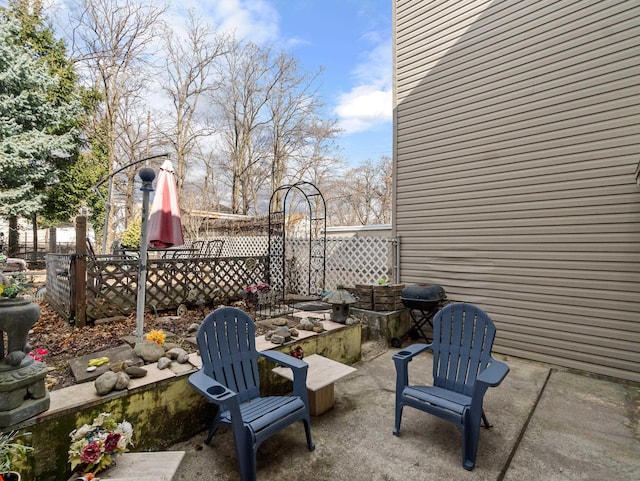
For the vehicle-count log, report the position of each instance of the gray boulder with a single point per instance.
(135, 371)
(106, 382)
(164, 362)
(149, 351)
(176, 352)
(193, 327)
(122, 381)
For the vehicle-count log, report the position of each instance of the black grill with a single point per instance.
(423, 298)
(423, 302)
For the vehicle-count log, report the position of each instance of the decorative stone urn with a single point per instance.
(23, 392)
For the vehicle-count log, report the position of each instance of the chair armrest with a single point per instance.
(284, 359)
(410, 352)
(298, 367)
(211, 389)
(493, 374)
(401, 360)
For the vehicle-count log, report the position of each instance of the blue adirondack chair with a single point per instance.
(463, 370)
(229, 378)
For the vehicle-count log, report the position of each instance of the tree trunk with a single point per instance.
(34, 228)
(14, 236)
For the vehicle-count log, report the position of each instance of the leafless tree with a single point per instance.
(114, 40)
(273, 129)
(362, 195)
(189, 70)
(293, 109)
(241, 99)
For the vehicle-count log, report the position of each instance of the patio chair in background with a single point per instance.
(229, 378)
(463, 370)
(207, 248)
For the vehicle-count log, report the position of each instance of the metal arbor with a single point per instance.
(297, 267)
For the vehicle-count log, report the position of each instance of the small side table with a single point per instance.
(146, 466)
(321, 375)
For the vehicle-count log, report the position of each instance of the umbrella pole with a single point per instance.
(147, 175)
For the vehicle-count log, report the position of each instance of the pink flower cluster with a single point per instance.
(38, 354)
(255, 288)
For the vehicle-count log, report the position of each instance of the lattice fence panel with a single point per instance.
(358, 260)
(112, 285)
(58, 293)
(349, 261)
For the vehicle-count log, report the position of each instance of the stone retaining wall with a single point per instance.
(162, 412)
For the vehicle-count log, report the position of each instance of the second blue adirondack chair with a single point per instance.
(463, 370)
(229, 378)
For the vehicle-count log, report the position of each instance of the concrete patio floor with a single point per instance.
(548, 425)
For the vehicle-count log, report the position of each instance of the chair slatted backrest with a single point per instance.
(227, 344)
(213, 248)
(463, 337)
(198, 247)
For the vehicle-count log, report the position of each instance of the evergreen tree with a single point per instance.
(75, 173)
(32, 124)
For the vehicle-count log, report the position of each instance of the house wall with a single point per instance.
(517, 136)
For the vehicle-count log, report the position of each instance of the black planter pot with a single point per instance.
(11, 476)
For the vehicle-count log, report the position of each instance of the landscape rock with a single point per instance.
(122, 381)
(279, 321)
(305, 324)
(310, 324)
(277, 339)
(284, 332)
(105, 383)
(138, 361)
(136, 372)
(118, 366)
(164, 362)
(170, 345)
(176, 352)
(193, 327)
(149, 351)
(183, 358)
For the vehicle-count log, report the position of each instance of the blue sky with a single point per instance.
(351, 39)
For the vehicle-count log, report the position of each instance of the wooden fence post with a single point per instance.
(53, 241)
(80, 279)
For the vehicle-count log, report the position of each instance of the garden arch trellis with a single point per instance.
(288, 271)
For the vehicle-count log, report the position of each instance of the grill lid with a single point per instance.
(432, 293)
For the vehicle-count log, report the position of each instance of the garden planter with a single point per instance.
(11, 476)
(23, 393)
(17, 316)
(387, 297)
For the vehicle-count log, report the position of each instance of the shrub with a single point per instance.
(132, 234)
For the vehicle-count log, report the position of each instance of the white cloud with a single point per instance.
(369, 103)
(254, 20)
(363, 107)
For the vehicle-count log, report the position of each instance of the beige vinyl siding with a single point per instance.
(516, 142)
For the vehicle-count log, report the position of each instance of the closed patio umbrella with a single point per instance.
(165, 225)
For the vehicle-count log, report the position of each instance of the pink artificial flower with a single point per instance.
(41, 352)
(111, 443)
(90, 453)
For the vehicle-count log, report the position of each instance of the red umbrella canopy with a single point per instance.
(165, 225)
